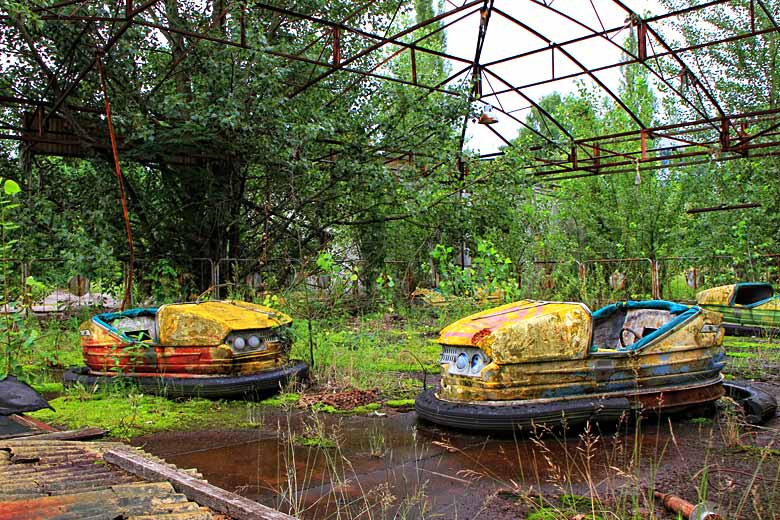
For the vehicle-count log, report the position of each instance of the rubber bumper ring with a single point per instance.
(208, 387)
(504, 417)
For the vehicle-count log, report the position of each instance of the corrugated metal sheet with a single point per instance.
(70, 480)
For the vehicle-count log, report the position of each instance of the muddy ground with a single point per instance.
(387, 465)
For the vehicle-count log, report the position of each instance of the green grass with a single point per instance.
(732, 342)
(678, 289)
(56, 345)
(315, 442)
(368, 347)
(741, 355)
(748, 357)
(48, 387)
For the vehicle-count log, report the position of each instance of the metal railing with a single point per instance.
(596, 281)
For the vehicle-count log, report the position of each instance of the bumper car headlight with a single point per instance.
(239, 343)
(476, 363)
(463, 361)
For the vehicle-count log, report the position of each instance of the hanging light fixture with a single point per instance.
(487, 117)
(638, 176)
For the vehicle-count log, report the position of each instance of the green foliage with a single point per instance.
(491, 271)
(163, 282)
(14, 340)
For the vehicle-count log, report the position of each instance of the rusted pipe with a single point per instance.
(686, 509)
(120, 180)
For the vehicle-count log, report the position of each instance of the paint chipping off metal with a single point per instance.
(540, 350)
(70, 480)
(188, 340)
(525, 331)
(717, 295)
(208, 323)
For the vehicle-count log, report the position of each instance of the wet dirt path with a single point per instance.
(394, 466)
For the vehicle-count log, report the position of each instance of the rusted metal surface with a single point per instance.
(686, 509)
(678, 398)
(437, 299)
(64, 480)
(708, 134)
(537, 350)
(73, 480)
(189, 340)
(194, 488)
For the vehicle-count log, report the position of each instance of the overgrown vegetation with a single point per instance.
(336, 203)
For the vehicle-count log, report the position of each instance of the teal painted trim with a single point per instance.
(679, 320)
(752, 284)
(662, 305)
(752, 305)
(683, 312)
(104, 319)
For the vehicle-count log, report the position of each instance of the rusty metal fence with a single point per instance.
(595, 282)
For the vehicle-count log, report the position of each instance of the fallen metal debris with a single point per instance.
(703, 511)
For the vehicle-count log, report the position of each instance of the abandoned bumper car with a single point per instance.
(747, 308)
(206, 349)
(539, 362)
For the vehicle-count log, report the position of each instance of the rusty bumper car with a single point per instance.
(747, 308)
(209, 349)
(539, 362)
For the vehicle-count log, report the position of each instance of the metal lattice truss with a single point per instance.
(503, 56)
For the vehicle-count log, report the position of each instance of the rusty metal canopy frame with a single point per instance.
(516, 56)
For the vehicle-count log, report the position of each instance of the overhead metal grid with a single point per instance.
(511, 79)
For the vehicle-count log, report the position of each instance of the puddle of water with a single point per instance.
(418, 469)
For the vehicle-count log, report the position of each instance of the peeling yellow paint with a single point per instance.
(540, 350)
(208, 323)
(191, 340)
(717, 295)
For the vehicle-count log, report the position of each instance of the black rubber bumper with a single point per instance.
(208, 387)
(505, 417)
(759, 406)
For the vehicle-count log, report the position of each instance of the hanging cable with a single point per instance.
(120, 181)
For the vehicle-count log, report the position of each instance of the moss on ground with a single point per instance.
(132, 415)
(358, 410)
(400, 403)
(127, 415)
(315, 442)
(283, 399)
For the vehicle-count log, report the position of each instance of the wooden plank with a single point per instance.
(196, 490)
(66, 435)
(33, 423)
